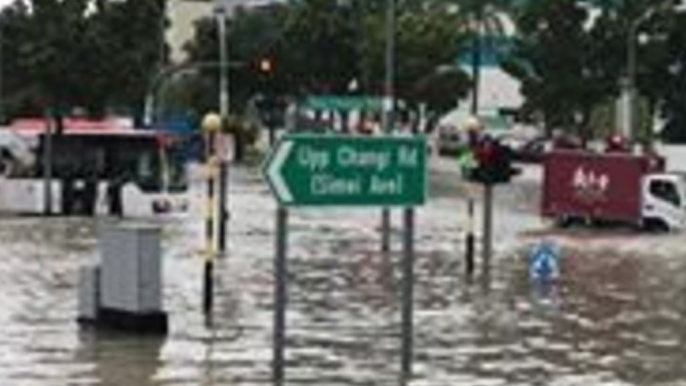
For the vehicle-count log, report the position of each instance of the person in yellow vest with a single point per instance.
(472, 129)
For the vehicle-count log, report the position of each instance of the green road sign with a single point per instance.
(343, 103)
(311, 170)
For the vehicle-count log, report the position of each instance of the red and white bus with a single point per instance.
(94, 167)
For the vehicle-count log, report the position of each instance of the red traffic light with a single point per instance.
(266, 65)
(485, 153)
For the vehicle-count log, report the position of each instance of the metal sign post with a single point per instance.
(487, 232)
(389, 106)
(280, 295)
(346, 171)
(222, 10)
(469, 239)
(408, 295)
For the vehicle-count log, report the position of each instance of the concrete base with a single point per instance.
(151, 323)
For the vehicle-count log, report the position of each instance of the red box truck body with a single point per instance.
(586, 185)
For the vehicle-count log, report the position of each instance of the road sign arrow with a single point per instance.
(274, 172)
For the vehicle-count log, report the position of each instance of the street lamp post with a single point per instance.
(632, 64)
(2, 104)
(221, 11)
(388, 107)
(158, 86)
(630, 129)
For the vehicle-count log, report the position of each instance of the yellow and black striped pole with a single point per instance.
(211, 124)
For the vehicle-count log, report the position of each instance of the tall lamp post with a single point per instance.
(221, 10)
(631, 65)
(388, 106)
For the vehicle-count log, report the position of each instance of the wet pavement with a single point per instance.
(615, 317)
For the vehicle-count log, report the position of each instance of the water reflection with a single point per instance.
(119, 359)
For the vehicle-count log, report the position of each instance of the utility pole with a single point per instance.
(631, 79)
(2, 104)
(388, 107)
(47, 163)
(221, 11)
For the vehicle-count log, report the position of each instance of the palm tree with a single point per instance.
(483, 20)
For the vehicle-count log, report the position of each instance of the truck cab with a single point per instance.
(663, 201)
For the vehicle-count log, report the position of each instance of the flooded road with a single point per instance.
(615, 317)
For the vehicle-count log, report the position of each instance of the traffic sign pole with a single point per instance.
(487, 232)
(389, 106)
(280, 295)
(469, 240)
(408, 295)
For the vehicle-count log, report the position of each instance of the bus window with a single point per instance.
(148, 173)
(172, 157)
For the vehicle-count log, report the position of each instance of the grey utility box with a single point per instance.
(130, 274)
(89, 285)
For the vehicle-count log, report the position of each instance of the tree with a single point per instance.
(322, 47)
(126, 49)
(252, 35)
(319, 46)
(675, 92)
(571, 63)
(641, 26)
(19, 94)
(427, 45)
(62, 54)
(550, 58)
(483, 21)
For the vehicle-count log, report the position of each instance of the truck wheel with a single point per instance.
(564, 222)
(655, 225)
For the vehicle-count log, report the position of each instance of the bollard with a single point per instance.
(89, 294)
(469, 239)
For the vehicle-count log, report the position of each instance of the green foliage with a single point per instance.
(323, 47)
(571, 63)
(675, 91)
(555, 60)
(62, 54)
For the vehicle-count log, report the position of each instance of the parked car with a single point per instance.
(531, 151)
(534, 150)
(450, 140)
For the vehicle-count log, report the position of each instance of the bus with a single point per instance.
(88, 167)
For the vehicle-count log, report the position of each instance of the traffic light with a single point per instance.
(266, 66)
(493, 163)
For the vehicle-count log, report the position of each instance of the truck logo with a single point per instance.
(590, 186)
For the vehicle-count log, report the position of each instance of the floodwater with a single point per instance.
(615, 317)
